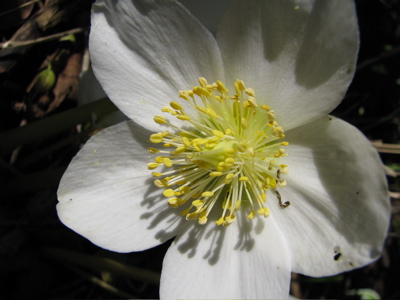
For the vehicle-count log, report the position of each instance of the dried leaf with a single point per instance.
(67, 82)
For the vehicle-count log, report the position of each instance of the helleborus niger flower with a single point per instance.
(229, 148)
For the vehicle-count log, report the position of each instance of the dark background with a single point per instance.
(41, 258)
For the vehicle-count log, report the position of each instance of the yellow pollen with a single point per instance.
(227, 156)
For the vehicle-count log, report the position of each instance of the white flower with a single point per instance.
(298, 58)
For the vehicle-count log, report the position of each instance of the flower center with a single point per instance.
(230, 155)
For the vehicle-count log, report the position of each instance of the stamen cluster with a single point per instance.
(230, 156)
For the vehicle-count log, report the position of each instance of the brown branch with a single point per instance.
(386, 148)
(13, 44)
(18, 7)
(45, 19)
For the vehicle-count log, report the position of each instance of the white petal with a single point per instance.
(297, 55)
(145, 52)
(247, 260)
(339, 200)
(108, 196)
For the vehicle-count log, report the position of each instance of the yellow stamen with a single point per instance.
(227, 155)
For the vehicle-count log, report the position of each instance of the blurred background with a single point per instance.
(47, 113)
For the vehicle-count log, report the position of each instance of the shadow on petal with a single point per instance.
(325, 61)
(275, 41)
(210, 234)
(190, 234)
(349, 191)
(210, 237)
(245, 239)
(319, 55)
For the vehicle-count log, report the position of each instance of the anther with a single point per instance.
(250, 92)
(266, 107)
(211, 112)
(215, 174)
(186, 142)
(221, 87)
(184, 95)
(160, 119)
(198, 203)
(183, 117)
(203, 220)
(218, 133)
(207, 194)
(184, 189)
(176, 105)
(152, 165)
(156, 138)
(153, 150)
(229, 178)
(244, 123)
(179, 150)
(173, 202)
(220, 221)
(169, 193)
(167, 162)
(251, 215)
(203, 82)
(166, 109)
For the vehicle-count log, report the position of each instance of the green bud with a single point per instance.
(45, 80)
